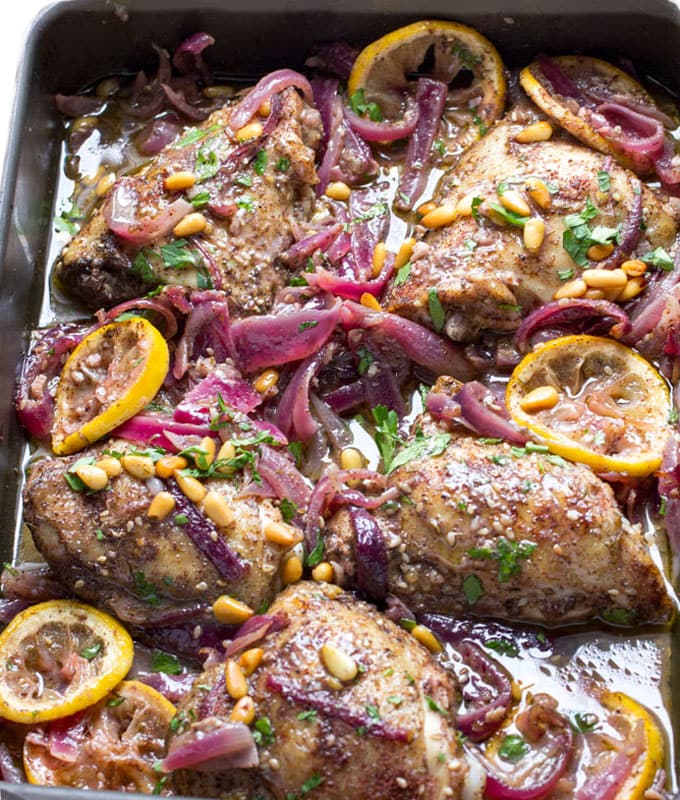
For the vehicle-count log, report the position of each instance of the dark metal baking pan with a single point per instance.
(74, 43)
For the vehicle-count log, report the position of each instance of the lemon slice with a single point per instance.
(611, 407)
(111, 375)
(565, 112)
(59, 657)
(385, 68)
(118, 742)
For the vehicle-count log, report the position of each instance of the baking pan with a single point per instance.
(73, 44)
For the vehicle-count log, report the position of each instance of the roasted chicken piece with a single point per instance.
(105, 549)
(256, 195)
(497, 531)
(484, 275)
(345, 700)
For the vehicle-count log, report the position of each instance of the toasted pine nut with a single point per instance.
(243, 711)
(425, 208)
(368, 300)
(338, 190)
(218, 510)
(513, 201)
(631, 289)
(534, 233)
(266, 381)
(351, 458)
(141, 467)
(340, 664)
(379, 255)
(611, 294)
(265, 109)
(282, 534)
(539, 399)
(323, 572)
(292, 571)
(575, 288)
(598, 252)
(105, 183)
(179, 180)
(162, 504)
(237, 686)
(594, 294)
(190, 487)
(217, 91)
(604, 278)
(166, 466)
(426, 637)
(539, 131)
(439, 216)
(110, 465)
(538, 192)
(250, 660)
(464, 206)
(634, 267)
(84, 123)
(93, 477)
(252, 130)
(189, 226)
(226, 453)
(404, 252)
(107, 87)
(230, 611)
(206, 458)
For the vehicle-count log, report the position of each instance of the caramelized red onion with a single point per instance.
(188, 56)
(336, 58)
(206, 328)
(346, 287)
(635, 133)
(264, 89)
(78, 105)
(370, 550)
(294, 415)
(388, 131)
(200, 404)
(160, 305)
(277, 468)
(178, 101)
(172, 687)
(297, 254)
(486, 415)
(159, 431)
(630, 232)
(560, 81)
(253, 631)
(212, 744)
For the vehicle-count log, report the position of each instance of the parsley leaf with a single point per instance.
(420, 447)
(146, 590)
(165, 662)
(358, 104)
(315, 557)
(90, 652)
(603, 181)
(260, 163)
(513, 748)
(509, 216)
(434, 706)
(474, 207)
(312, 323)
(504, 647)
(584, 723)
(508, 554)
(207, 164)
(66, 221)
(403, 274)
(386, 434)
(196, 135)
(434, 306)
(365, 359)
(659, 258)
(178, 254)
(142, 268)
(283, 164)
(200, 199)
(264, 732)
(311, 783)
(288, 509)
(472, 589)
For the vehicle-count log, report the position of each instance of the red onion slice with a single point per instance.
(212, 744)
(636, 134)
(606, 784)
(370, 550)
(294, 415)
(172, 687)
(560, 82)
(667, 166)
(336, 58)
(482, 412)
(279, 471)
(187, 57)
(206, 328)
(268, 86)
(201, 403)
(160, 305)
(65, 737)
(179, 102)
(78, 105)
(669, 490)
(630, 233)
(297, 254)
(253, 631)
(159, 431)
(386, 131)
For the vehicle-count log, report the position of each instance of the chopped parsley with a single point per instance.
(264, 732)
(508, 554)
(603, 180)
(509, 216)
(618, 616)
(659, 258)
(307, 716)
(115, 701)
(365, 360)
(373, 712)
(261, 161)
(376, 210)
(288, 509)
(434, 706)
(66, 221)
(298, 280)
(420, 447)
(466, 58)
(435, 309)
(315, 557)
(283, 164)
(579, 236)
(178, 254)
(440, 147)
(244, 180)
(166, 663)
(395, 699)
(358, 104)
(474, 207)
(311, 783)
(312, 323)
(386, 434)
(502, 646)
(246, 203)
(197, 135)
(141, 267)
(200, 199)
(295, 449)
(513, 748)
(472, 589)
(565, 274)
(90, 652)
(584, 723)
(403, 274)
(482, 127)
(207, 164)
(146, 590)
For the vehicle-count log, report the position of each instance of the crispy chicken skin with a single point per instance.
(533, 538)
(256, 225)
(485, 277)
(105, 549)
(400, 751)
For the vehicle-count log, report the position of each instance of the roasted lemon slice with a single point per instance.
(111, 375)
(593, 400)
(586, 74)
(113, 745)
(59, 657)
(385, 68)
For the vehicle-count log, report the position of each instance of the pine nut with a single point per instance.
(631, 289)
(598, 252)
(634, 268)
(323, 572)
(379, 255)
(179, 180)
(265, 108)
(250, 660)
(190, 487)
(282, 534)
(538, 192)
(189, 226)
(205, 459)
(439, 216)
(253, 130)
(161, 505)
(166, 466)
(351, 458)
(513, 201)
(338, 190)
(594, 294)
(83, 123)
(539, 399)
(292, 571)
(464, 206)
(539, 131)
(575, 288)
(93, 477)
(404, 253)
(243, 711)
(230, 611)
(217, 91)
(341, 665)
(141, 467)
(110, 465)
(267, 380)
(368, 300)
(105, 183)
(534, 233)
(217, 509)
(426, 637)
(425, 208)
(605, 278)
(225, 454)
(107, 87)
(237, 686)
